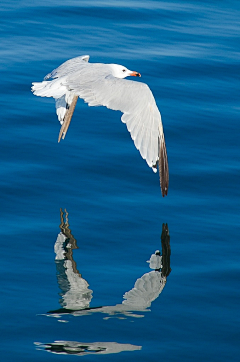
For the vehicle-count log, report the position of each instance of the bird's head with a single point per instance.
(119, 71)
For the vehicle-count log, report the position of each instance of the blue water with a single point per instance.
(188, 53)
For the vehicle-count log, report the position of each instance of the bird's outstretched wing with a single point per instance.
(68, 67)
(140, 113)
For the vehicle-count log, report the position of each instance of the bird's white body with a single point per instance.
(104, 84)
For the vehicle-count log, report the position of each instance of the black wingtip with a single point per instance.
(163, 166)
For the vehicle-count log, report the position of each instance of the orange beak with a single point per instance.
(135, 74)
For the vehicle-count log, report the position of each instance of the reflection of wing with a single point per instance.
(166, 250)
(75, 292)
(80, 349)
(146, 289)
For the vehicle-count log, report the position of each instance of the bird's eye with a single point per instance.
(124, 70)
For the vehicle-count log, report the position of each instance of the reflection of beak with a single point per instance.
(135, 74)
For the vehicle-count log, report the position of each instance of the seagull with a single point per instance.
(104, 85)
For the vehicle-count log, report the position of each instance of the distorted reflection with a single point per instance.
(81, 349)
(76, 295)
(75, 292)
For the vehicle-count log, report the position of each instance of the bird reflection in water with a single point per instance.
(76, 295)
(81, 349)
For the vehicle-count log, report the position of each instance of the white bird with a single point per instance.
(103, 84)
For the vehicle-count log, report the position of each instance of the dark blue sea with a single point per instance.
(81, 218)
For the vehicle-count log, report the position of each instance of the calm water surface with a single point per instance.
(86, 283)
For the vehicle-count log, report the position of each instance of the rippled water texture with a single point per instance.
(84, 287)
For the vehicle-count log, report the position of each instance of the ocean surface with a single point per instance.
(81, 218)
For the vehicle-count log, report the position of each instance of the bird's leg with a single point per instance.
(67, 119)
